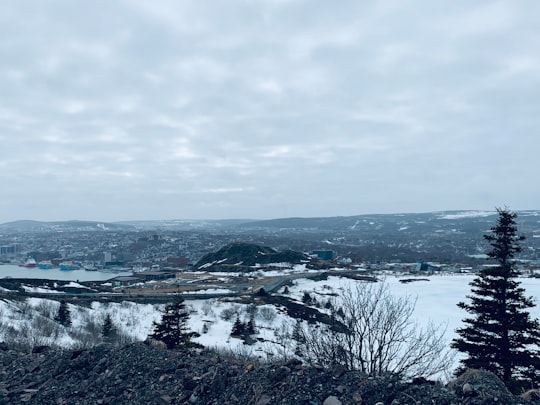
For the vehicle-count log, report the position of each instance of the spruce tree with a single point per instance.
(500, 336)
(238, 328)
(173, 328)
(63, 316)
(306, 298)
(251, 328)
(108, 330)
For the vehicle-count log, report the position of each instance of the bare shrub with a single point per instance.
(207, 307)
(46, 308)
(93, 327)
(228, 313)
(123, 338)
(374, 332)
(46, 327)
(251, 310)
(239, 355)
(267, 314)
(25, 309)
(156, 343)
(25, 337)
(84, 339)
(11, 334)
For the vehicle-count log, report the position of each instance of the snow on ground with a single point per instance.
(210, 291)
(35, 315)
(436, 299)
(468, 214)
(213, 318)
(269, 323)
(76, 285)
(40, 290)
(133, 319)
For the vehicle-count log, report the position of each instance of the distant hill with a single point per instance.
(380, 221)
(186, 224)
(246, 254)
(74, 225)
(386, 223)
(431, 221)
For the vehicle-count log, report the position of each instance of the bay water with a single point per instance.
(14, 271)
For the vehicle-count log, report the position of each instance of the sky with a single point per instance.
(123, 110)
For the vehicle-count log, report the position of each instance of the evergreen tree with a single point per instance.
(108, 330)
(63, 316)
(306, 298)
(251, 328)
(500, 336)
(238, 328)
(173, 328)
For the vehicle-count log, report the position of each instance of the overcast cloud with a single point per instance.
(136, 109)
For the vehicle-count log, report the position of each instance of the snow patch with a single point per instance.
(468, 214)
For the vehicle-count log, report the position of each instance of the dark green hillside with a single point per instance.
(246, 254)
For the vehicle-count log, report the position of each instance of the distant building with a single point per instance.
(324, 254)
(114, 263)
(154, 275)
(180, 261)
(107, 257)
(10, 249)
(123, 281)
(7, 249)
(422, 266)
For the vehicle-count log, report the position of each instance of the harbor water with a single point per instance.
(13, 271)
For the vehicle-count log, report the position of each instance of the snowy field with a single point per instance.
(436, 301)
(31, 322)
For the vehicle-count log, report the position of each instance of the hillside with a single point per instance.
(246, 254)
(141, 374)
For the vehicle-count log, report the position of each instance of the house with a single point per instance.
(324, 254)
(123, 281)
(154, 275)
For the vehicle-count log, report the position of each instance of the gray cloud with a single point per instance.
(130, 109)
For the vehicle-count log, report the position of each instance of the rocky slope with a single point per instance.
(141, 374)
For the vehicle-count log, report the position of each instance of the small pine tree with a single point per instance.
(238, 328)
(251, 328)
(108, 330)
(173, 327)
(63, 316)
(500, 336)
(306, 298)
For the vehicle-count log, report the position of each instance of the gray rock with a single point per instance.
(264, 400)
(332, 400)
(143, 374)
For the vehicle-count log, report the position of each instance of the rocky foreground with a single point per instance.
(141, 374)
